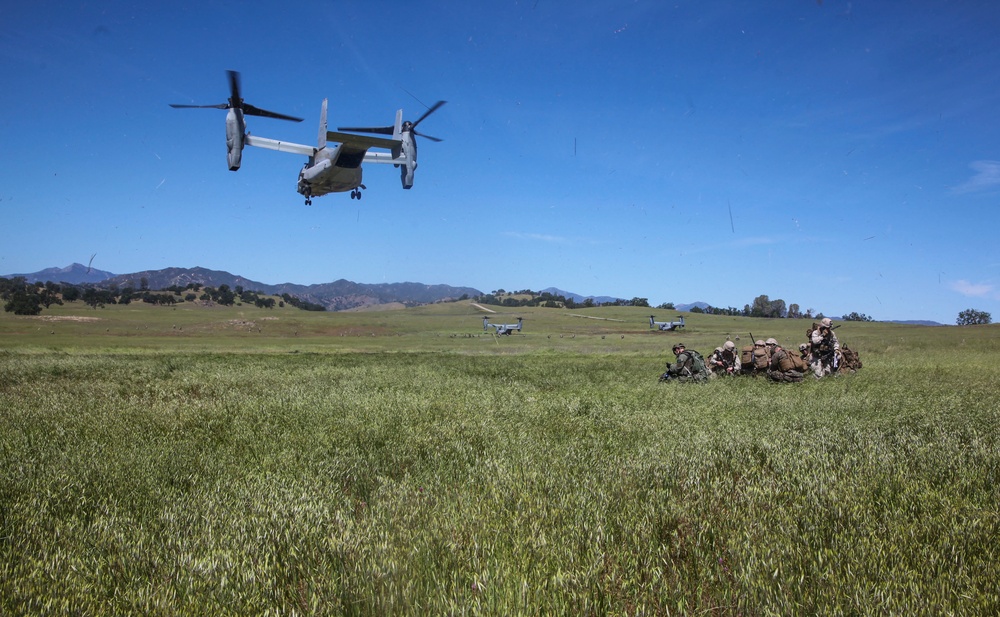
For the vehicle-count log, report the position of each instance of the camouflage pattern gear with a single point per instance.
(783, 367)
(849, 359)
(724, 360)
(754, 359)
(731, 359)
(824, 347)
(690, 366)
(786, 376)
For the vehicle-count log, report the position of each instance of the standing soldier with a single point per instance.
(824, 348)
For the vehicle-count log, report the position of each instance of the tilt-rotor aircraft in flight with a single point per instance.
(334, 164)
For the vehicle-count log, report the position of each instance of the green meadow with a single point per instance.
(242, 461)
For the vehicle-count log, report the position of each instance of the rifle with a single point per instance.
(753, 347)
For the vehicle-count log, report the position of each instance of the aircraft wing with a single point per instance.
(360, 143)
(280, 146)
(382, 157)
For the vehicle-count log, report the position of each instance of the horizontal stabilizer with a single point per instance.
(382, 157)
(364, 141)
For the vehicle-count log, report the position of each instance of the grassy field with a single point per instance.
(198, 460)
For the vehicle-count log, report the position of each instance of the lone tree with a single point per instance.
(972, 317)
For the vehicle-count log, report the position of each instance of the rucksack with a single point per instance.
(798, 363)
(760, 359)
(849, 359)
(753, 358)
(697, 362)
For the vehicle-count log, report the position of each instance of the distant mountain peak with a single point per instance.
(74, 274)
(688, 307)
(569, 295)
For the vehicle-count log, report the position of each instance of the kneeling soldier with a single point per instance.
(782, 366)
(689, 366)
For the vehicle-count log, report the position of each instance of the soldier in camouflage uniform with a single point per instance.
(715, 364)
(689, 366)
(824, 348)
(725, 360)
(781, 366)
(804, 353)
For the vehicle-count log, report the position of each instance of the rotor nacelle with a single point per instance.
(235, 125)
(406, 133)
(235, 130)
(408, 165)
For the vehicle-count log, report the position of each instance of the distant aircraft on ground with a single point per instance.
(666, 326)
(502, 328)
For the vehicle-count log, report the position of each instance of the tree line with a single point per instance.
(762, 306)
(23, 298)
(526, 297)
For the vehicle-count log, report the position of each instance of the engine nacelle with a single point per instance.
(235, 129)
(409, 164)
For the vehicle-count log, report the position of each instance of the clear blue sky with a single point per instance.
(842, 156)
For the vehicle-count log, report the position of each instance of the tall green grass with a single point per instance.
(431, 483)
(531, 475)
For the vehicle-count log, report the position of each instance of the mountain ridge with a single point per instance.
(339, 295)
(75, 274)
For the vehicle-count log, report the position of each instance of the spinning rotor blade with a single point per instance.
(250, 110)
(433, 108)
(425, 136)
(236, 102)
(219, 106)
(407, 126)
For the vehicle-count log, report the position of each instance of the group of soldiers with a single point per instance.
(822, 356)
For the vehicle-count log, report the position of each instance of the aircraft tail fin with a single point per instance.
(322, 126)
(397, 128)
(397, 134)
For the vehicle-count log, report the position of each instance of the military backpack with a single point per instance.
(849, 359)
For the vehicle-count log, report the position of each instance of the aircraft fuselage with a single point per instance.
(331, 172)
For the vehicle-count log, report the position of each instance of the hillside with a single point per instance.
(336, 296)
(75, 274)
